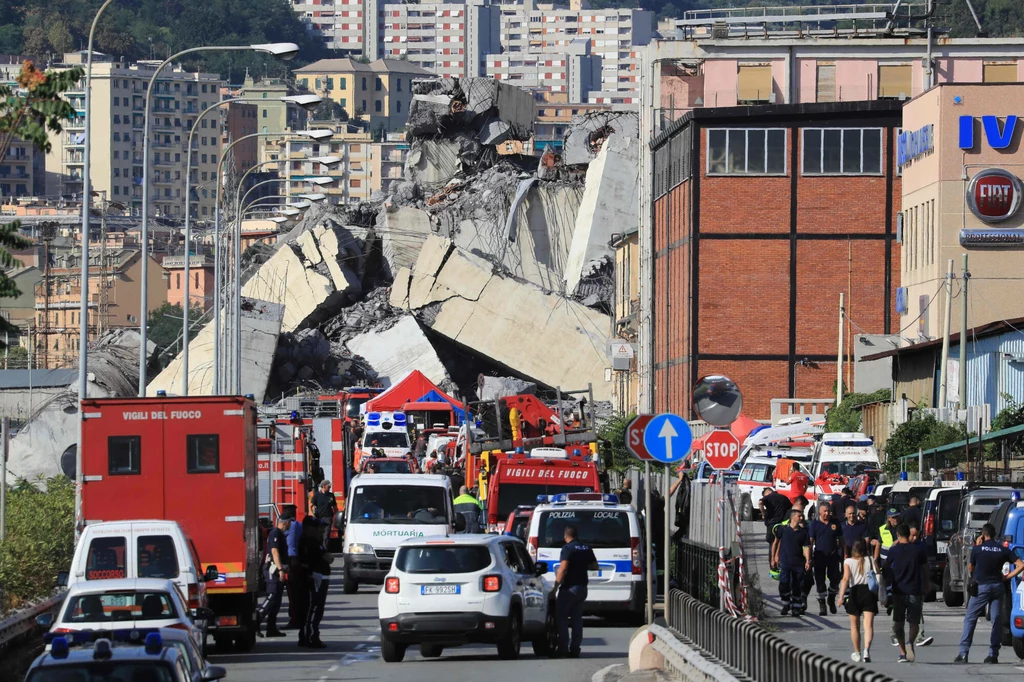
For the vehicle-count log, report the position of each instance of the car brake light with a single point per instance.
(492, 583)
(929, 525)
(1018, 622)
(60, 631)
(634, 545)
(532, 546)
(392, 585)
(177, 626)
(492, 519)
(193, 596)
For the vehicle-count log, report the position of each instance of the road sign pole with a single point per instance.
(652, 580)
(666, 487)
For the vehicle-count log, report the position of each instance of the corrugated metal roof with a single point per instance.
(41, 378)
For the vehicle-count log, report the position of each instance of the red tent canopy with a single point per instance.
(410, 388)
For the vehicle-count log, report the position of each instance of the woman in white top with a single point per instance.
(862, 601)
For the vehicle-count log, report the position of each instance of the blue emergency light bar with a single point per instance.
(564, 498)
(373, 419)
(126, 635)
(904, 476)
(400, 418)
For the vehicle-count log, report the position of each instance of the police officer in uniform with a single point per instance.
(275, 566)
(986, 568)
(827, 538)
(793, 560)
(571, 580)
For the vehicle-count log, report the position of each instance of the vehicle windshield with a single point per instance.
(156, 557)
(512, 495)
(105, 671)
(847, 468)
(388, 466)
(386, 439)
(901, 499)
(408, 504)
(949, 504)
(119, 606)
(353, 405)
(520, 526)
(598, 528)
(443, 559)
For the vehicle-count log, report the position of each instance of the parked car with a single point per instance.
(940, 510)
(975, 510)
(125, 604)
(466, 589)
(518, 522)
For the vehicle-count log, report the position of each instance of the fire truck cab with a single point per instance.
(191, 460)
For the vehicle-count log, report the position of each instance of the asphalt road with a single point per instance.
(830, 635)
(351, 631)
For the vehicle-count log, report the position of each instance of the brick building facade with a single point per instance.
(762, 216)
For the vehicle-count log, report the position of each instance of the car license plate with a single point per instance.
(116, 600)
(439, 589)
(941, 548)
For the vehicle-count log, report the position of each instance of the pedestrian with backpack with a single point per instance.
(862, 601)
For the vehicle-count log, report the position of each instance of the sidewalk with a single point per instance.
(620, 673)
(830, 635)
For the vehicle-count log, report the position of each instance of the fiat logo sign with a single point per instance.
(994, 195)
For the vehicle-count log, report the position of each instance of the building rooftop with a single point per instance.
(379, 66)
(981, 331)
(37, 378)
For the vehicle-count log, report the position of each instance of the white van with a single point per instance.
(381, 512)
(115, 550)
(612, 530)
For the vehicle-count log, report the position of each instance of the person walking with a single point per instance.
(907, 570)
(323, 507)
(571, 580)
(275, 570)
(317, 561)
(793, 559)
(774, 509)
(912, 515)
(881, 539)
(470, 508)
(828, 552)
(986, 570)
(294, 569)
(862, 601)
(853, 529)
(922, 638)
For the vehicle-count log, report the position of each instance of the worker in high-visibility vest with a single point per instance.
(881, 539)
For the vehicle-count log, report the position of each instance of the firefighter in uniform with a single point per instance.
(827, 538)
(794, 561)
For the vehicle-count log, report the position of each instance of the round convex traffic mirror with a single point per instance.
(717, 400)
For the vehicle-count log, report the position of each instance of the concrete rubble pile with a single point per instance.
(46, 445)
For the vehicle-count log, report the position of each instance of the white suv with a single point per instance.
(463, 590)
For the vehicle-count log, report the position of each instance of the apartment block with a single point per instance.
(338, 23)
(451, 40)
(352, 175)
(114, 293)
(543, 44)
(118, 99)
(239, 119)
(22, 172)
(554, 117)
(379, 92)
(200, 292)
(387, 162)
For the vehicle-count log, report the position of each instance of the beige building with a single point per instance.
(118, 97)
(352, 174)
(379, 91)
(625, 387)
(387, 162)
(961, 159)
(114, 294)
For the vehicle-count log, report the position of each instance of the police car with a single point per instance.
(131, 654)
(443, 592)
(612, 530)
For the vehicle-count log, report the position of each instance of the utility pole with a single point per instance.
(839, 362)
(962, 395)
(3, 478)
(943, 367)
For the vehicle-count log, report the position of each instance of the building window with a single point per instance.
(894, 82)
(264, 113)
(177, 280)
(377, 106)
(738, 151)
(398, 84)
(999, 73)
(342, 83)
(378, 84)
(344, 103)
(364, 83)
(330, 83)
(754, 84)
(398, 107)
(825, 90)
(842, 151)
(356, 184)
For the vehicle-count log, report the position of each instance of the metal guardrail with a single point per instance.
(686, 661)
(749, 649)
(696, 572)
(25, 621)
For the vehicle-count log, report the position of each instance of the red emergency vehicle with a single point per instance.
(191, 460)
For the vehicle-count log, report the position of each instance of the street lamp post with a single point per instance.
(312, 134)
(307, 102)
(283, 50)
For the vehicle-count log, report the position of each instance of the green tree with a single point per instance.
(845, 417)
(921, 432)
(1008, 417)
(60, 37)
(40, 539)
(165, 331)
(329, 110)
(30, 115)
(614, 431)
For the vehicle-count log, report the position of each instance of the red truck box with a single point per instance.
(191, 460)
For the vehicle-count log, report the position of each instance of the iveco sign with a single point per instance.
(998, 136)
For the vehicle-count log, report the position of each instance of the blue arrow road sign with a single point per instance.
(668, 438)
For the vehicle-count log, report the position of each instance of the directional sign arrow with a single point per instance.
(668, 434)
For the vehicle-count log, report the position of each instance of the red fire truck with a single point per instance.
(191, 460)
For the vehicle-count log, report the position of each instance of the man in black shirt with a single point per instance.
(827, 538)
(323, 506)
(774, 507)
(912, 514)
(906, 569)
(794, 560)
(986, 567)
(275, 568)
(571, 579)
(316, 561)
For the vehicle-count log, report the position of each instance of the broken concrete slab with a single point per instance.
(442, 106)
(609, 204)
(402, 231)
(396, 351)
(492, 388)
(546, 337)
(432, 162)
(588, 132)
(261, 325)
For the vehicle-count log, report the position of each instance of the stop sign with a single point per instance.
(635, 437)
(721, 449)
